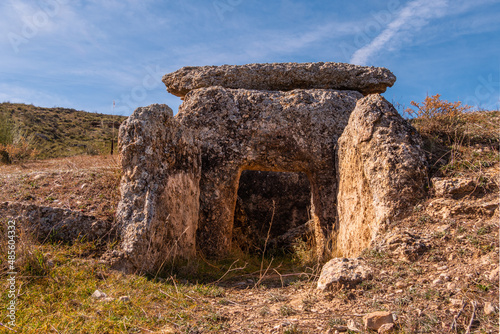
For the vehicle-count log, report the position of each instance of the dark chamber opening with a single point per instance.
(259, 194)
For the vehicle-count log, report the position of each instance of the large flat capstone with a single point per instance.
(281, 77)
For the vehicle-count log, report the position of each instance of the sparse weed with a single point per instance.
(336, 322)
(484, 230)
(264, 311)
(287, 310)
(293, 329)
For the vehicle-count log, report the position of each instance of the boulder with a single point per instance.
(343, 272)
(281, 77)
(382, 172)
(158, 211)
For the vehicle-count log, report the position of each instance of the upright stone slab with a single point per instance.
(382, 172)
(281, 77)
(158, 211)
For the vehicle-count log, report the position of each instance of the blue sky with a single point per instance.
(85, 54)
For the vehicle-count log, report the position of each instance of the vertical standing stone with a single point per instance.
(382, 172)
(158, 211)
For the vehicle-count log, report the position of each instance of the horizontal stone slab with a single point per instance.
(281, 77)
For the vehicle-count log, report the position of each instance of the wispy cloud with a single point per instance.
(17, 94)
(415, 15)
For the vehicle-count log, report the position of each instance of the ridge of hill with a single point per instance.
(58, 132)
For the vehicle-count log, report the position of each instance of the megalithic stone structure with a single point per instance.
(181, 172)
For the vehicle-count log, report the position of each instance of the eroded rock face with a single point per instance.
(281, 77)
(56, 223)
(382, 172)
(241, 129)
(158, 211)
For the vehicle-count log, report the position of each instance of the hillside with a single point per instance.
(58, 132)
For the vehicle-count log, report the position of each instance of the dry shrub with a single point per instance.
(452, 132)
(439, 119)
(16, 153)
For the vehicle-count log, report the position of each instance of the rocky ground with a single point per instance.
(435, 272)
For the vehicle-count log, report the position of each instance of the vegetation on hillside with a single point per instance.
(27, 131)
(456, 138)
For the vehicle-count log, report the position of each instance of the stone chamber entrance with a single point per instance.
(272, 212)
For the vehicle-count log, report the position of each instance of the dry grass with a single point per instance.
(457, 139)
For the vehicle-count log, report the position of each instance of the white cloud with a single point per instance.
(411, 18)
(16, 94)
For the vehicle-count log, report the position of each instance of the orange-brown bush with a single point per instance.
(15, 153)
(454, 134)
(439, 118)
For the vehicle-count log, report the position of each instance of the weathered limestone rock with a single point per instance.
(342, 271)
(158, 211)
(281, 77)
(67, 225)
(455, 186)
(382, 172)
(375, 320)
(241, 129)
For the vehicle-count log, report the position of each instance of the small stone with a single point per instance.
(451, 286)
(37, 177)
(98, 294)
(489, 308)
(437, 281)
(376, 319)
(494, 276)
(124, 299)
(107, 299)
(352, 326)
(386, 329)
(400, 285)
(442, 268)
(445, 277)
